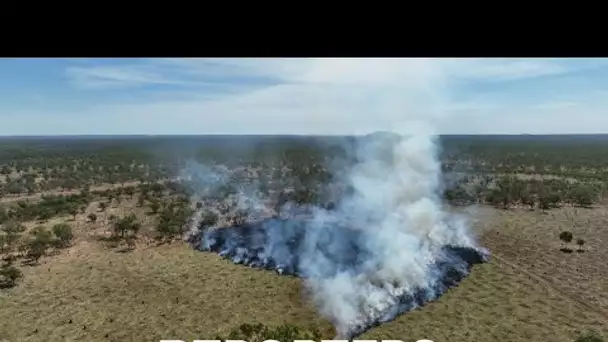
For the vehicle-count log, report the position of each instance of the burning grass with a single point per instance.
(293, 247)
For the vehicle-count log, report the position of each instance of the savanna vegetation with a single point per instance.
(106, 217)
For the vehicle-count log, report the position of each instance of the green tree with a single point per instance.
(92, 217)
(580, 243)
(141, 199)
(589, 337)
(9, 275)
(111, 197)
(12, 233)
(130, 191)
(544, 203)
(3, 215)
(173, 219)
(103, 206)
(2, 243)
(260, 332)
(583, 197)
(40, 240)
(73, 211)
(154, 206)
(125, 226)
(554, 199)
(528, 200)
(63, 233)
(208, 218)
(45, 213)
(566, 238)
(239, 218)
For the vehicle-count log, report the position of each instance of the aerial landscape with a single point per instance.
(446, 227)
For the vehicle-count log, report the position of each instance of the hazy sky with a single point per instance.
(301, 96)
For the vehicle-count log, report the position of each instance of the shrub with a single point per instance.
(580, 243)
(259, 332)
(40, 240)
(126, 225)
(92, 217)
(566, 236)
(12, 232)
(9, 275)
(63, 233)
(589, 337)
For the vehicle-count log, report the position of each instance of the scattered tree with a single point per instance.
(64, 235)
(140, 200)
(208, 218)
(260, 332)
(580, 243)
(2, 243)
(154, 207)
(9, 275)
(73, 212)
(589, 337)
(566, 237)
(92, 217)
(40, 240)
(12, 232)
(126, 226)
(130, 191)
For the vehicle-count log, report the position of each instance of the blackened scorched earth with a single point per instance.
(280, 244)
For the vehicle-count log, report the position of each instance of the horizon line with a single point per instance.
(275, 134)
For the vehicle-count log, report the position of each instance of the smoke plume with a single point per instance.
(387, 247)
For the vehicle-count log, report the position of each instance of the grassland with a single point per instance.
(103, 289)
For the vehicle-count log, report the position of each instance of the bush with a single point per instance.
(92, 217)
(589, 337)
(103, 206)
(208, 218)
(125, 226)
(2, 243)
(40, 240)
(580, 243)
(172, 220)
(260, 332)
(154, 207)
(12, 233)
(9, 275)
(566, 236)
(63, 233)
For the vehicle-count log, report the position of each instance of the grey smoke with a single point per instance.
(386, 248)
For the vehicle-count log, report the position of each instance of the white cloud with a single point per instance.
(106, 77)
(318, 96)
(321, 96)
(508, 69)
(556, 105)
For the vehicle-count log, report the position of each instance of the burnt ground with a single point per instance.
(283, 245)
(528, 291)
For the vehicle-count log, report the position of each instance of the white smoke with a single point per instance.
(397, 229)
(398, 205)
(392, 256)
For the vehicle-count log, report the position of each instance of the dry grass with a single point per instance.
(530, 291)
(496, 303)
(530, 240)
(149, 294)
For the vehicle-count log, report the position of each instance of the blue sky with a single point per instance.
(301, 96)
